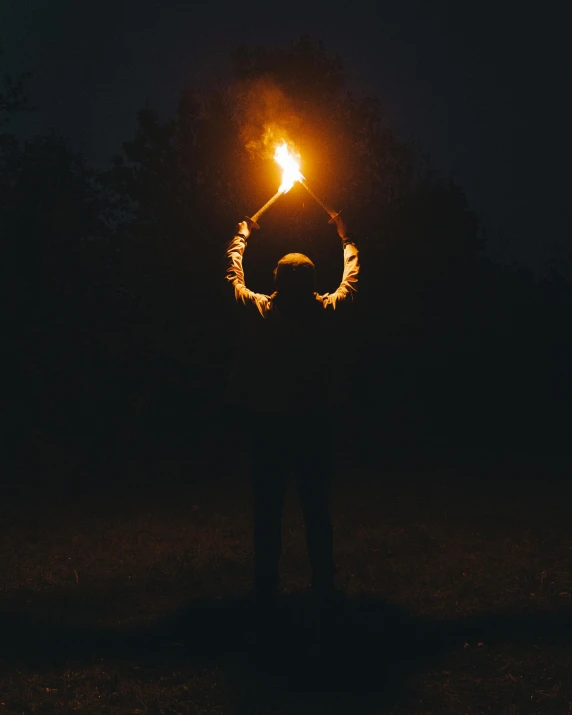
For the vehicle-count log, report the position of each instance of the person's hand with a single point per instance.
(243, 228)
(341, 226)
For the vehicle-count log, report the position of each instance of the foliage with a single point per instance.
(117, 276)
(13, 97)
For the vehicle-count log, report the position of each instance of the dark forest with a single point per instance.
(116, 315)
(125, 501)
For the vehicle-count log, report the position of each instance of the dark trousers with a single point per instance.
(281, 446)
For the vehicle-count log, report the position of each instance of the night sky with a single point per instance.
(482, 86)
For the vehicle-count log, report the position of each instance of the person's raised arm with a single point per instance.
(348, 287)
(235, 271)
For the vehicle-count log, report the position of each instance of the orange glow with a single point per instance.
(290, 164)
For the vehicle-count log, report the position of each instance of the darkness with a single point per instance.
(127, 156)
(480, 86)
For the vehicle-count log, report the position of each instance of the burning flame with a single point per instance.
(290, 163)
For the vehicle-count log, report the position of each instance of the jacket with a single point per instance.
(286, 352)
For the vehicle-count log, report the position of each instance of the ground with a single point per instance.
(124, 584)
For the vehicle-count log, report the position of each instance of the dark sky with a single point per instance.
(483, 87)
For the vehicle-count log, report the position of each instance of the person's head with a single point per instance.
(295, 276)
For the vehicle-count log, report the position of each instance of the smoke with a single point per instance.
(266, 116)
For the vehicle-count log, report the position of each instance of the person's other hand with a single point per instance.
(243, 227)
(341, 226)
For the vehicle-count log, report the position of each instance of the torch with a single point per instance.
(291, 173)
(333, 214)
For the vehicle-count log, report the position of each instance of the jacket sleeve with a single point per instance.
(348, 287)
(235, 276)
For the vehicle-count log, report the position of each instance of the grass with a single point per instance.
(123, 589)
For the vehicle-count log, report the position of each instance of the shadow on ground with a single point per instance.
(372, 647)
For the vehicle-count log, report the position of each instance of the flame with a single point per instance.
(290, 163)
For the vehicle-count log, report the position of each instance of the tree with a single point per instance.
(56, 282)
(113, 281)
(13, 97)
(186, 181)
(211, 163)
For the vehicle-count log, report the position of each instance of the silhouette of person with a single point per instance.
(281, 385)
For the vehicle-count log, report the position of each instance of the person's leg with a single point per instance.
(314, 466)
(269, 477)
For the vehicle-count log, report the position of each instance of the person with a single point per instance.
(281, 387)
